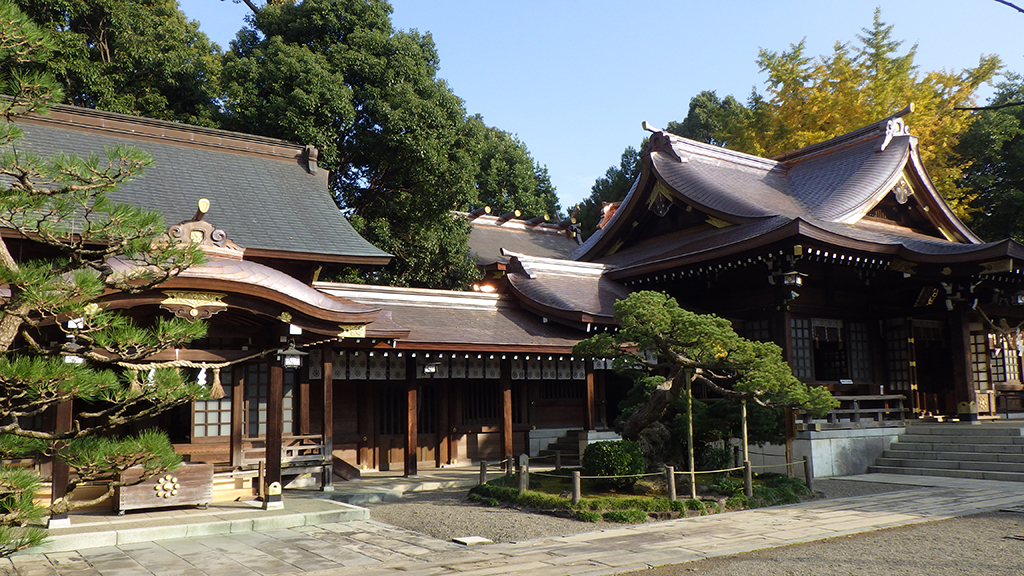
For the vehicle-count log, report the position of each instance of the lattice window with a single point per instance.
(757, 330)
(897, 354)
(860, 352)
(257, 385)
(803, 351)
(561, 390)
(212, 417)
(481, 404)
(979, 361)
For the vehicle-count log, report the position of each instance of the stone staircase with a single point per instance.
(568, 445)
(986, 451)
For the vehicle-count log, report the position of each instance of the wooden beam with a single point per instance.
(411, 403)
(304, 406)
(327, 425)
(275, 433)
(237, 414)
(60, 472)
(443, 425)
(506, 407)
(963, 376)
(590, 417)
(367, 425)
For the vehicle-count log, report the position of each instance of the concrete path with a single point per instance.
(367, 547)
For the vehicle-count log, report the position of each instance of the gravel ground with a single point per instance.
(445, 514)
(977, 545)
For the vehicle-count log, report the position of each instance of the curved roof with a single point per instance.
(574, 292)
(268, 192)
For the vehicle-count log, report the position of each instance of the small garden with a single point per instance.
(616, 487)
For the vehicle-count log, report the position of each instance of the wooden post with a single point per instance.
(60, 472)
(590, 413)
(327, 425)
(575, 486)
(808, 474)
(506, 408)
(790, 435)
(483, 472)
(689, 434)
(274, 437)
(963, 376)
(304, 406)
(670, 477)
(523, 471)
(558, 459)
(411, 436)
(443, 426)
(368, 455)
(748, 479)
(237, 414)
(509, 464)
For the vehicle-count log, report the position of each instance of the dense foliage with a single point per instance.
(701, 348)
(995, 147)
(57, 345)
(621, 458)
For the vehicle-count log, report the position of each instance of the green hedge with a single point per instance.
(614, 458)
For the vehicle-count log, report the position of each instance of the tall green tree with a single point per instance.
(709, 118)
(509, 178)
(612, 187)
(809, 100)
(140, 57)
(402, 151)
(993, 149)
(57, 344)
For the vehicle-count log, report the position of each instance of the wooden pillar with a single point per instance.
(274, 437)
(443, 425)
(411, 431)
(454, 419)
(327, 425)
(963, 377)
(590, 415)
(367, 424)
(304, 406)
(505, 382)
(60, 472)
(237, 414)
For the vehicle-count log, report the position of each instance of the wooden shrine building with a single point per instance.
(842, 252)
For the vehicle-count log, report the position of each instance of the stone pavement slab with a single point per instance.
(368, 547)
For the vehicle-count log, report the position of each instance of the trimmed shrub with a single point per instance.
(737, 501)
(625, 516)
(588, 516)
(614, 458)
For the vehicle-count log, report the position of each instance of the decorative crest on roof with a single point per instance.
(209, 239)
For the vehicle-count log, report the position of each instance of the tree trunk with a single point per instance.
(657, 403)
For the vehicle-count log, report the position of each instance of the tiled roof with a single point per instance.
(459, 321)
(489, 236)
(260, 189)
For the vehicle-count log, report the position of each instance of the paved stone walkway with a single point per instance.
(367, 547)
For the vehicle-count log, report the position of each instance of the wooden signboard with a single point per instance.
(189, 484)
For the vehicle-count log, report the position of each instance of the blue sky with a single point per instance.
(574, 80)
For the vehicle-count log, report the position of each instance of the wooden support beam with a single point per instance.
(274, 437)
(444, 425)
(327, 424)
(506, 406)
(60, 472)
(367, 425)
(963, 376)
(411, 423)
(304, 406)
(237, 413)
(590, 417)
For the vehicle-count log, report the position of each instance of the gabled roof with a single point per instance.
(866, 190)
(578, 294)
(268, 192)
(490, 235)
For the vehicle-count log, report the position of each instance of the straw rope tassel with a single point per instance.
(133, 384)
(216, 390)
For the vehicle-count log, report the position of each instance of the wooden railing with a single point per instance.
(304, 450)
(870, 411)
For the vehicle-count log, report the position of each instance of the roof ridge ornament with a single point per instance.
(204, 235)
(660, 141)
(895, 126)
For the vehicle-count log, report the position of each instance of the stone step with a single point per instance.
(963, 430)
(949, 473)
(973, 439)
(944, 447)
(896, 451)
(951, 464)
